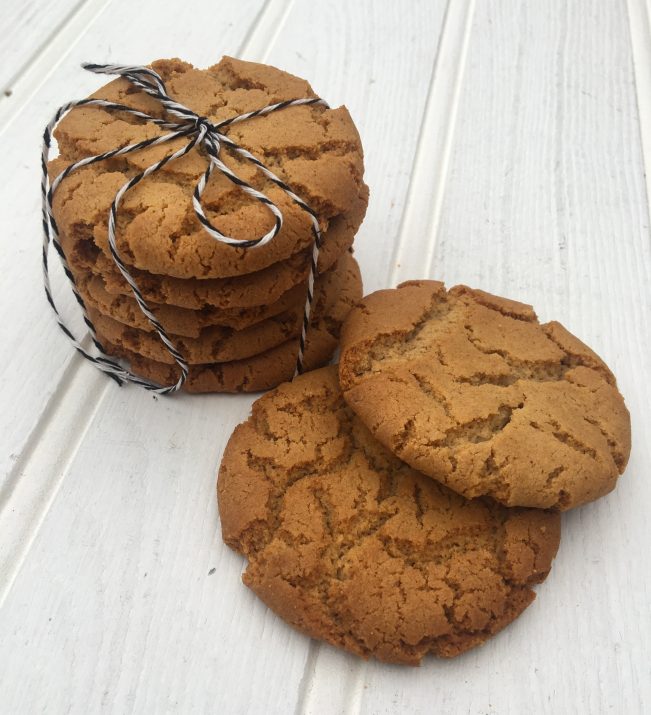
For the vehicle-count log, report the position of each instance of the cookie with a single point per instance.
(190, 323)
(350, 545)
(472, 390)
(260, 372)
(251, 290)
(335, 295)
(317, 151)
(180, 321)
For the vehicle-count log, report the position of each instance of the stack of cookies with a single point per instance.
(234, 314)
(405, 502)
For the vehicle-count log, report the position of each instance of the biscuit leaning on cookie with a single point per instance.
(350, 545)
(472, 390)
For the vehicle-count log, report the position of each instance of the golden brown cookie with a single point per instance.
(470, 389)
(351, 546)
(317, 151)
(260, 372)
(246, 291)
(181, 321)
(191, 323)
(335, 295)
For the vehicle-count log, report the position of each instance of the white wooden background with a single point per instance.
(506, 147)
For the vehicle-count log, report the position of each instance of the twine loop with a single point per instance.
(181, 122)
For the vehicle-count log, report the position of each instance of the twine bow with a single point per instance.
(182, 122)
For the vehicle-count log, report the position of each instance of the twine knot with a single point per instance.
(204, 124)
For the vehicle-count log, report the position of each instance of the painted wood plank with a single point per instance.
(546, 203)
(108, 530)
(376, 59)
(28, 79)
(27, 27)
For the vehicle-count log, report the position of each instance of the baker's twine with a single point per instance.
(182, 122)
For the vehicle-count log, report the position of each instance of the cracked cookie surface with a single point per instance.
(470, 389)
(350, 545)
(317, 151)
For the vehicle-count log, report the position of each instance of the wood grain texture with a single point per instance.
(639, 19)
(510, 158)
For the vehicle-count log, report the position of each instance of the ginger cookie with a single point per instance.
(317, 151)
(246, 291)
(260, 372)
(472, 390)
(180, 321)
(333, 298)
(350, 545)
(257, 373)
(191, 323)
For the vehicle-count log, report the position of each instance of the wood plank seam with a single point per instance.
(309, 674)
(36, 502)
(46, 418)
(422, 212)
(639, 17)
(263, 33)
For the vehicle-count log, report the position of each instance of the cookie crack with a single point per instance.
(492, 480)
(477, 430)
(576, 360)
(314, 152)
(616, 455)
(428, 389)
(558, 433)
(539, 371)
(502, 310)
(562, 499)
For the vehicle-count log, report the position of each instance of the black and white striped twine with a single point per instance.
(182, 122)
